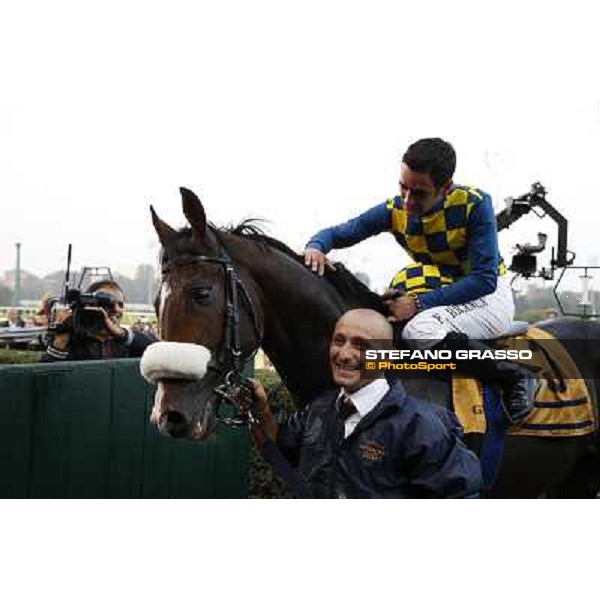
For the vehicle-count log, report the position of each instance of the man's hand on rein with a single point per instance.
(401, 308)
(262, 410)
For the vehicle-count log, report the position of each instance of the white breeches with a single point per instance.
(484, 318)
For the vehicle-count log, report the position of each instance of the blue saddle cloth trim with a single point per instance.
(560, 403)
(492, 447)
(557, 426)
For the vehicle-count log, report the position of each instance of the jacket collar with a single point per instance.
(391, 402)
(367, 397)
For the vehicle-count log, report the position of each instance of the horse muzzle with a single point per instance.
(184, 404)
(185, 409)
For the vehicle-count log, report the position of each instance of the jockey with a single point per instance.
(450, 233)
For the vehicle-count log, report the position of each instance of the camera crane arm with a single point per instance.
(524, 261)
(522, 205)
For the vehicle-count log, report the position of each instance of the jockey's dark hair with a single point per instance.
(433, 156)
(104, 283)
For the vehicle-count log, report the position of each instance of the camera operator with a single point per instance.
(95, 333)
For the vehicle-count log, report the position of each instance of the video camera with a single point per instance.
(82, 320)
(87, 320)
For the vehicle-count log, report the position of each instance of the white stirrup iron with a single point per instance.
(174, 360)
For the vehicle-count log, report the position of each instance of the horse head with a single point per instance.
(210, 321)
(224, 292)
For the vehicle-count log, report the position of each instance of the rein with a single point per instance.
(228, 362)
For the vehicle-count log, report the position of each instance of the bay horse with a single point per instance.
(291, 312)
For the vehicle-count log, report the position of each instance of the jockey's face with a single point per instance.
(418, 190)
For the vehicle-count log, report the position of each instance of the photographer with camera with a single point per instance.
(88, 327)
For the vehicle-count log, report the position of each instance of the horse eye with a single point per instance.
(201, 295)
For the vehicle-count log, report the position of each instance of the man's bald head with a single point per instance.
(372, 324)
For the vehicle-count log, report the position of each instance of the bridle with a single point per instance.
(227, 361)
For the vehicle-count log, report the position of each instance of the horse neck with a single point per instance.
(299, 311)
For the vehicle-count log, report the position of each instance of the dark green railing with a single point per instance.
(81, 430)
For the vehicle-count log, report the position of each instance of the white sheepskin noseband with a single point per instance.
(174, 360)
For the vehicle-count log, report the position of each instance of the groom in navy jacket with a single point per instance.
(368, 438)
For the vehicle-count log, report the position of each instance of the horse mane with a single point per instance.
(352, 290)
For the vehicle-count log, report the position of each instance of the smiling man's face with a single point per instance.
(355, 331)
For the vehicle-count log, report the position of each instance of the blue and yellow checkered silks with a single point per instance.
(440, 237)
(418, 278)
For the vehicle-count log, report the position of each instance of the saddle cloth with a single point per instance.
(563, 404)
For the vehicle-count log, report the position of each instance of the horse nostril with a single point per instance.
(175, 424)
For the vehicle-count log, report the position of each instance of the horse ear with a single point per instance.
(194, 212)
(164, 231)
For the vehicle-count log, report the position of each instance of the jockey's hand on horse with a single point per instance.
(111, 322)
(262, 411)
(316, 261)
(401, 308)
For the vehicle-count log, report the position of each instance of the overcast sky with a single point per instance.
(295, 112)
